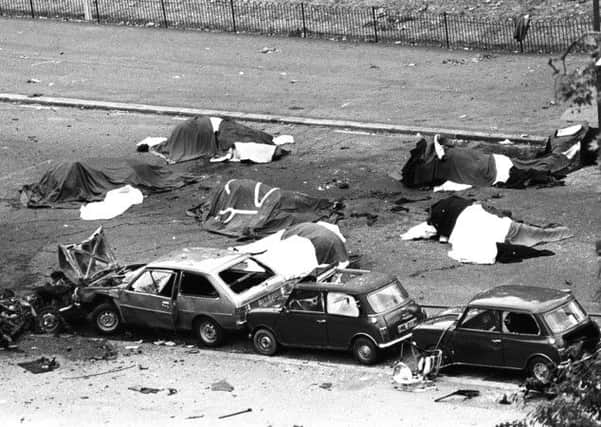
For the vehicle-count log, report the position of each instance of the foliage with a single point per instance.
(577, 86)
(576, 401)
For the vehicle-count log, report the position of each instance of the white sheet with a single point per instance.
(451, 186)
(291, 258)
(569, 131)
(114, 204)
(503, 164)
(475, 235)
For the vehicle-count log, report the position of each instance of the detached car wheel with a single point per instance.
(365, 351)
(209, 332)
(106, 318)
(541, 369)
(49, 320)
(264, 342)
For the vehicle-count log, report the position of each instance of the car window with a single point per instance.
(305, 300)
(480, 319)
(157, 282)
(342, 304)
(197, 285)
(245, 275)
(564, 317)
(388, 297)
(519, 323)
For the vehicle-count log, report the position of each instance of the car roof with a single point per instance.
(198, 259)
(528, 298)
(362, 284)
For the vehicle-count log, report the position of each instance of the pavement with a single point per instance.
(386, 84)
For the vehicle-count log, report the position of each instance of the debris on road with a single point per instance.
(40, 366)
(33, 81)
(145, 390)
(110, 371)
(326, 386)
(222, 385)
(236, 413)
(16, 316)
(466, 393)
(268, 50)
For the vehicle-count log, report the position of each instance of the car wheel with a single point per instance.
(365, 351)
(49, 320)
(106, 318)
(541, 369)
(264, 342)
(209, 332)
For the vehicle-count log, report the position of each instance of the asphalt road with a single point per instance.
(326, 79)
(332, 80)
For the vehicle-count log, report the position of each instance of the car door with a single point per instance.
(148, 300)
(521, 338)
(477, 339)
(303, 321)
(342, 319)
(197, 295)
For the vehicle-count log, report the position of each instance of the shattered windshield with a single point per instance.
(565, 317)
(388, 297)
(245, 275)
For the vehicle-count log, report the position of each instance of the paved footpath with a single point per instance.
(388, 84)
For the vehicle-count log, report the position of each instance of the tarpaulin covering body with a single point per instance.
(470, 166)
(89, 180)
(247, 208)
(326, 244)
(461, 165)
(196, 138)
(329, 247)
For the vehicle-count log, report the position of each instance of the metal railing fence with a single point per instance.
(368, 24)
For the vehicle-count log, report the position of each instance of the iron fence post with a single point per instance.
(233, 15)
(304, 22)
(598, 87)
(595, 15)
(446, 29)
(31, 4)
(373, 14)
(97, 11)
(164, 13)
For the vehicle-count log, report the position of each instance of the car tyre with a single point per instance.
(265, 342)
(209, 332)
(365, 351)
(106, 318)
(49, 320)
(541, 369)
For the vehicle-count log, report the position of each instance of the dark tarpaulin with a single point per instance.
(247, 208)
(70, 183)
(477, 168)
(196, 138)
(461, 165)
(329, 247)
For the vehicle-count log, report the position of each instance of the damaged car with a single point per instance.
(206, 290)
(345, 309)
(525, 328)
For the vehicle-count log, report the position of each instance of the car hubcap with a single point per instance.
(265, 342)
(107, 320)
(49, 321)
(365, 352)
(208, 332)
(541, 372)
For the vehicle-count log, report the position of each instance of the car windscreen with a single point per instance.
(388, 297)
(245, 275)
(565, 317)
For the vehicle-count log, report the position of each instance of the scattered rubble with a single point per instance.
(41, 365)
(222, 385)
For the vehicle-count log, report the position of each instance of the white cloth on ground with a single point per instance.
(451, 186)
(283, 139)
(114, 204)
(420, 231)
(475, 235)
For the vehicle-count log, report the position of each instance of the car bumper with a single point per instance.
(395, 341)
